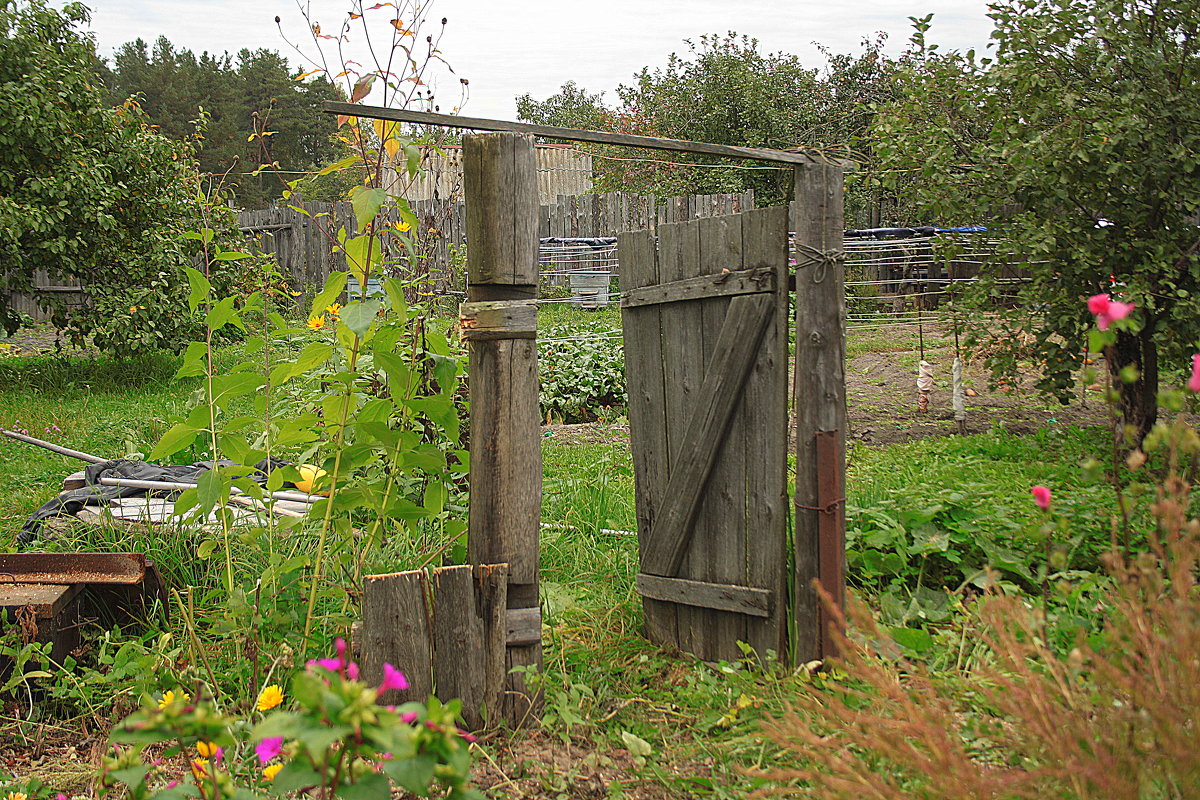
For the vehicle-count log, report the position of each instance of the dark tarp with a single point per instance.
(94, 494)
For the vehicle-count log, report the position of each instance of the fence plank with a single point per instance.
(397, 630)
(647, 408)
(766, 396)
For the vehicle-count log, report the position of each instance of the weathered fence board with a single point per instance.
(396, 630)
(708, 416)
(820, 398)
(448, 634)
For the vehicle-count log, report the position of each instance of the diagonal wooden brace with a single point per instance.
(733, 357)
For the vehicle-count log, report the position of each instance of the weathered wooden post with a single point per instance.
(499, 321)
(820, 399)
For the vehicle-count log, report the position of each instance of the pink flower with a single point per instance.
(268, 748)
(1041, 496)
(352, 671)
(170, 785)
(408, 717)
(1194, 382)
(331, 664)
(340, 644)
(1107, 310)
(392, 679)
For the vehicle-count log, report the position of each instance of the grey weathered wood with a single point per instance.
(491, 603)
(647, 406)
(457, 641)
(76, 480)
(468, 639)
(718, 553)
(706, 428)
(737, 502)
(523, 626)
(765, 399)
(500, 182)
(498, 319)
(727, 284)
(820, 399)
(506, 457)
(717, 596)
(397, 630)
(571, 134)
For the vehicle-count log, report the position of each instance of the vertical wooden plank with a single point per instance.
(457, 642)
(491, 605)
(817, 219)
(719, 543)
(682, 343)
(469, 639)
(765, 244)
(506, 457)
(397, 630)
(647, 410)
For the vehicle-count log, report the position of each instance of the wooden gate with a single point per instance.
(705, 319)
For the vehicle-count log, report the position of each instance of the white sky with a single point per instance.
(508, 49)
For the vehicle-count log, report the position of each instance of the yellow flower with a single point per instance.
(199, 768)
(170, 697)
(270, 697)
(270, 772)
(133, 309)
(15, 796)
(403, 227)
(334, 309)
(294, 294)
(206, 749)
(316, 323)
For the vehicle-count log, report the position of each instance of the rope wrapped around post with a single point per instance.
(822, 259)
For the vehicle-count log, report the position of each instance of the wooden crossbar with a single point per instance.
(579, 135)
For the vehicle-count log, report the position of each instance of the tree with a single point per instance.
(87, 191)
(258, 112)
(1078, 142)
(724, 90)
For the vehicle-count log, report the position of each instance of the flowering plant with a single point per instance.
(328, 736)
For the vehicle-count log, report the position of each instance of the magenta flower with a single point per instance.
(1107, 310)
(352, 671)
(392, 679)
(331, 664)
(1041, 496)
(268, 748)
(408, 717)
(1194, 382)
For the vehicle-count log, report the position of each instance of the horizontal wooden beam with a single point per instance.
(578, 135)
(498, 319)
(523, 626)
(726, 284)
(719, 596)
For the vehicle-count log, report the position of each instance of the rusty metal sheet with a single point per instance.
(831, 531)
(45, 600)
(70, 568)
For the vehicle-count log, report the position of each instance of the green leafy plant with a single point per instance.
(334, 739)
(582, 375)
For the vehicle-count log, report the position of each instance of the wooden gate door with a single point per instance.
(705, 316)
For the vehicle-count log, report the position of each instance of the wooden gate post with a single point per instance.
(499, 322)
(820, 404)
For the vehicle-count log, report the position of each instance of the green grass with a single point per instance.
(604, 682)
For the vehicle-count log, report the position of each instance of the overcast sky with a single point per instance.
(534, 46)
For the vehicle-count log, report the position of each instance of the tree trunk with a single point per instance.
(1139, 400)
